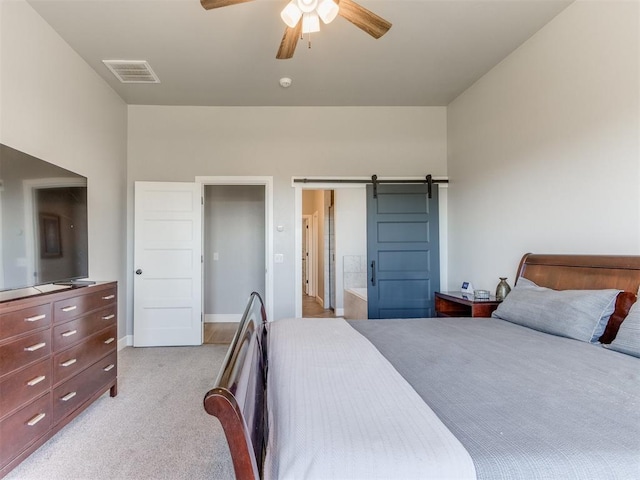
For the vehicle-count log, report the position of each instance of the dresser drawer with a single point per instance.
(23, 321)
(24, 385)
(77, 306)
(77, 390)
(70, 333)
(75, 359)
(24, 427)
(24, 351)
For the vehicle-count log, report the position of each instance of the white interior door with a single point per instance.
(305, 255)
(168, 264)
(307, 247)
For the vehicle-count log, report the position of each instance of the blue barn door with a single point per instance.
(402, 251)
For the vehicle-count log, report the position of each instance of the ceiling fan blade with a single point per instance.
(289, 41)
(362, 18)
(209, 4)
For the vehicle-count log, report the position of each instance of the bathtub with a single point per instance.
(355, 304)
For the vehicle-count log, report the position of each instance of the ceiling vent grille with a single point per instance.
(132, 71)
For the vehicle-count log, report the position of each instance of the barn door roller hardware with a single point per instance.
(375, 182)
(428, 180)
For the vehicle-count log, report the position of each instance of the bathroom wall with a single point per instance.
(354, 271)
(351, 235)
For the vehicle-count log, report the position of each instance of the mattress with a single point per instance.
(339, 410)
(524, 404)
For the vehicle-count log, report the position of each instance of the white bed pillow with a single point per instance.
(578, 314)
(628, 338)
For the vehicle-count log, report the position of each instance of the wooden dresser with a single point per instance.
(58, 353)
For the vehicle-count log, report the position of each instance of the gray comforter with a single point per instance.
(525, 404)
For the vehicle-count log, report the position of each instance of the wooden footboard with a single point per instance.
(238, 398)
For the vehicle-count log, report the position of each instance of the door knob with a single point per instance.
(138, 272)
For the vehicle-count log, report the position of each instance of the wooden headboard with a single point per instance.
(582, 272)
(588, 272)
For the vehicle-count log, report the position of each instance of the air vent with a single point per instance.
(132, 71)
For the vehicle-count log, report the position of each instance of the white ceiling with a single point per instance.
(226, 56)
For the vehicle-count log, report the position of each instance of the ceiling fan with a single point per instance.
(301, 16)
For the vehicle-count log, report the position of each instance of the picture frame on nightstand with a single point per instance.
(467, 288)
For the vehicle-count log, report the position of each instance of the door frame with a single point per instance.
(299, 186)
(267, 182)
(310, 284)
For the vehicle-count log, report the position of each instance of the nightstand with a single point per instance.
(458, 304)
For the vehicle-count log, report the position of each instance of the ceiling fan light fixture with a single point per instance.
(310, 23)
(328, 10)
(307, 6)
(291, 14)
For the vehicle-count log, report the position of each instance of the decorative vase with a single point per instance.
(503, 289)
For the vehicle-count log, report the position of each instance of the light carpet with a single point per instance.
(155, 428)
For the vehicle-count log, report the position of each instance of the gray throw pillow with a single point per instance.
(628, 338)
(578, 314)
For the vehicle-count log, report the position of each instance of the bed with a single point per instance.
(488, 398)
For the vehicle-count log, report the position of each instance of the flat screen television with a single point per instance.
(43, 222)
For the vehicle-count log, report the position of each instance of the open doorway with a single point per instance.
(234, 249)
(318, 254)
(237, 250)
(343, 246)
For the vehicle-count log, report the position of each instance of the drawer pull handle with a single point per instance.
(70, 308)
(109, 340)
(68, 396)
(69, 333)
(35, 347)
(68, 363)
(36, 380)
(35, 318)
(108, 317)
(109, 297)
(108, 367)
(36, 419)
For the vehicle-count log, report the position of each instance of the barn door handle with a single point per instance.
(373, 273)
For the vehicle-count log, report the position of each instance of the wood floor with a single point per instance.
(222, 333)
(219, 333)
(312, 309)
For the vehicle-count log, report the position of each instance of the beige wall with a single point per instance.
(54, 107)
(180, 143)
(543, 151)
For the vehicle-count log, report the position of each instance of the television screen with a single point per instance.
(43, 222)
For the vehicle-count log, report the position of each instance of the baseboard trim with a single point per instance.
(222, 318)
(125, 341)
(339, 312)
